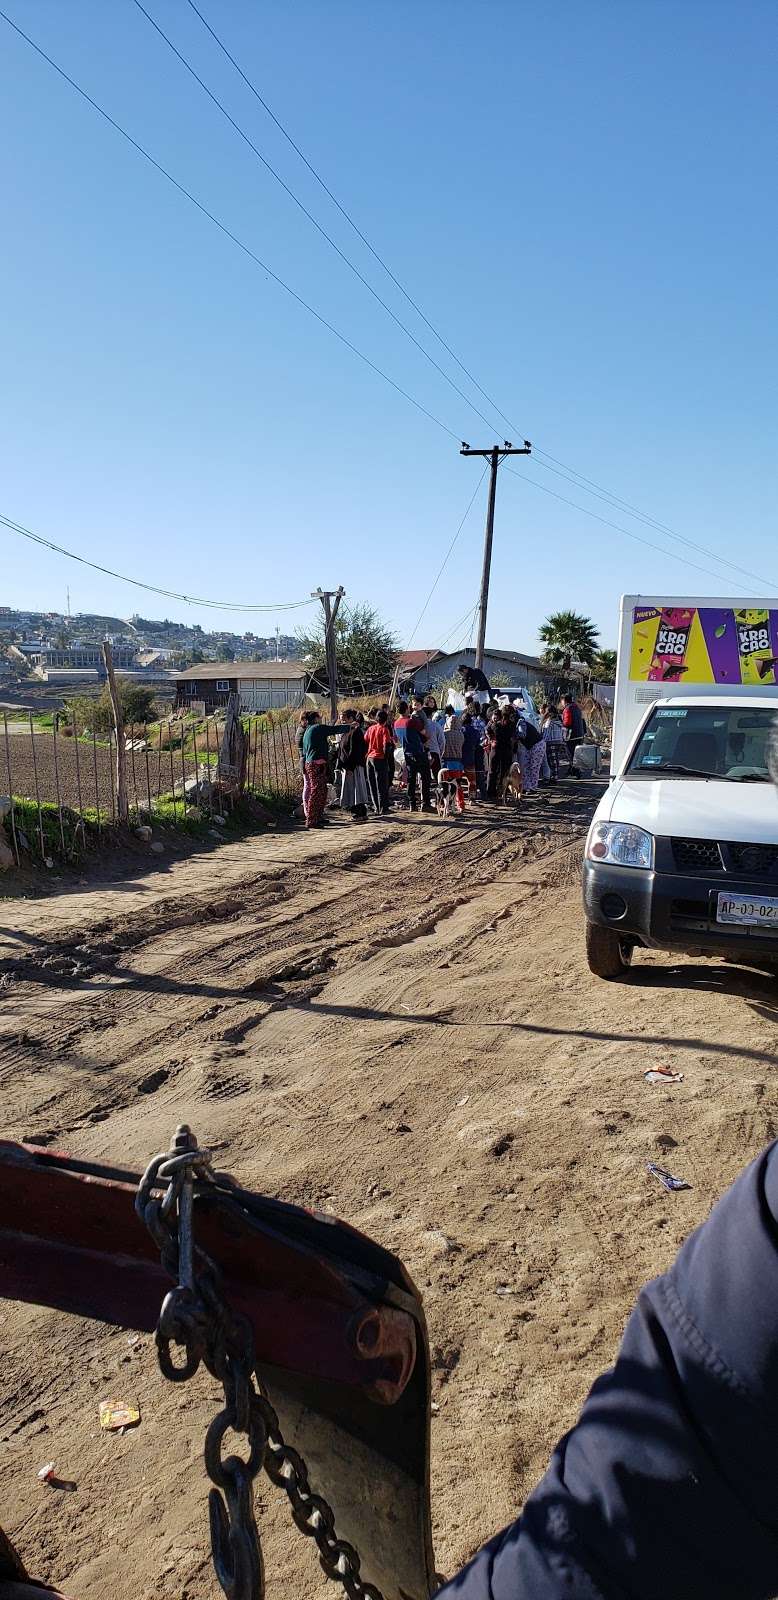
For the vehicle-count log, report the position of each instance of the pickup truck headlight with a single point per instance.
(621, 844)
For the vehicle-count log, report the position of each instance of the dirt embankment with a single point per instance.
(394, 1023)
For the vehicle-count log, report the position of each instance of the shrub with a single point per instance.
(136, 700)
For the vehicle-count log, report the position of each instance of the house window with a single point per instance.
(223, 685)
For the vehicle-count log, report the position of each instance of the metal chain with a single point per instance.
(195, 1316)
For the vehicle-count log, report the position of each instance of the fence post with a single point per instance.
(118, 721)
(57, 785)
(10, 789)
(37, 790)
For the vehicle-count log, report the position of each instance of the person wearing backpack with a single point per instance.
(575, 728)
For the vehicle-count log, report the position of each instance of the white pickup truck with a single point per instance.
(682, 853)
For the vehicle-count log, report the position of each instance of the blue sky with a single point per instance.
(581, 198)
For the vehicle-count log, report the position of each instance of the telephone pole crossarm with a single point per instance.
(494, 455)
(330, 613)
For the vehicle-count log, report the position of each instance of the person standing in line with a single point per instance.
(453, 760)
(353, 755)
(471, 747)
(432, 732)
(299, 736)
(479, 724)
(380, 744)
(553, 734)
(416, 761)
(574, 726)
(531, 752)
(502, 744)
(315, 750)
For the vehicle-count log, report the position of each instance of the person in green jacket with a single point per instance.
(315, 751)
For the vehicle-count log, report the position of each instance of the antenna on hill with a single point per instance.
(68, 604)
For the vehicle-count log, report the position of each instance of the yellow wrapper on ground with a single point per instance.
(119, 1414)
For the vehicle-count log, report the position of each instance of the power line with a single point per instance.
(588, 485)
(444, 562)
(306, 213)
(651, 522)
(349, 219)
(153, 588)
(581, 481)
(222, 226)
(524, 478)
(457, 625)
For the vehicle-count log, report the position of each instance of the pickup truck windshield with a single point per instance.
(728, 743)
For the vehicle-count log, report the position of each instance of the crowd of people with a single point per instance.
(474, 750)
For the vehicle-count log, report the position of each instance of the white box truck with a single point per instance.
(682, 853)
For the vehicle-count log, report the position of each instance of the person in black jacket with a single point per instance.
(665, 1488)
(473, 678)
(352, 758)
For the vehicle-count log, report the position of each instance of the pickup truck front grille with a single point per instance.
(761, 859)
(697, 855)
(722, 856)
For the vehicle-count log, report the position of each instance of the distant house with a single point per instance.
(512, 666)
(259, 685)
(418, 665)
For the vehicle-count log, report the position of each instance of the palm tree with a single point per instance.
(568, 637)
(604, 666)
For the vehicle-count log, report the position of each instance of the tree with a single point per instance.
(225, 652)
(604, 666)
(137, 703)
(366, 648)
(567, 638)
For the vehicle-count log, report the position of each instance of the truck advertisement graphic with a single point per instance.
(689, 644)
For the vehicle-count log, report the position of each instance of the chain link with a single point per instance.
(195, 1317)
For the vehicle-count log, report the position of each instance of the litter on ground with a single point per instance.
(663, 1075)
(666, 1178)
(116, 1414)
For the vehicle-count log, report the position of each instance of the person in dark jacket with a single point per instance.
(352, 758)
(471, 749)
(665, 1487)
(417, 763)
(315, 752)
(501, 731)
(473, 678)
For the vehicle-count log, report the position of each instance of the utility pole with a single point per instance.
(330, 613)
(494, 456)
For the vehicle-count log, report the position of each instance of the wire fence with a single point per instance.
(59, 782)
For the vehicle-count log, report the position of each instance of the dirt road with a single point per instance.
(395, 1023)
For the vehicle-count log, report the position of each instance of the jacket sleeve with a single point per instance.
(665, 1488)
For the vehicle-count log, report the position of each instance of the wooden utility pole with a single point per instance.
(122, 809)
(330, 613)
(494, 456)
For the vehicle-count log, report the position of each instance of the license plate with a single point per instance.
(753, 910)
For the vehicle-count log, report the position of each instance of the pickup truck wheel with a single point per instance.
(608, 955)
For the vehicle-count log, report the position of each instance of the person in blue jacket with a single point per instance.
(667, 1486)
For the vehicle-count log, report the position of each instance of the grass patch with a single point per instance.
(45, 834)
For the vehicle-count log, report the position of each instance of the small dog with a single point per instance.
(513, 786)
(451, 792)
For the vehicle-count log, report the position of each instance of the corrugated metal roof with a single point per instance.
(241, 670)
